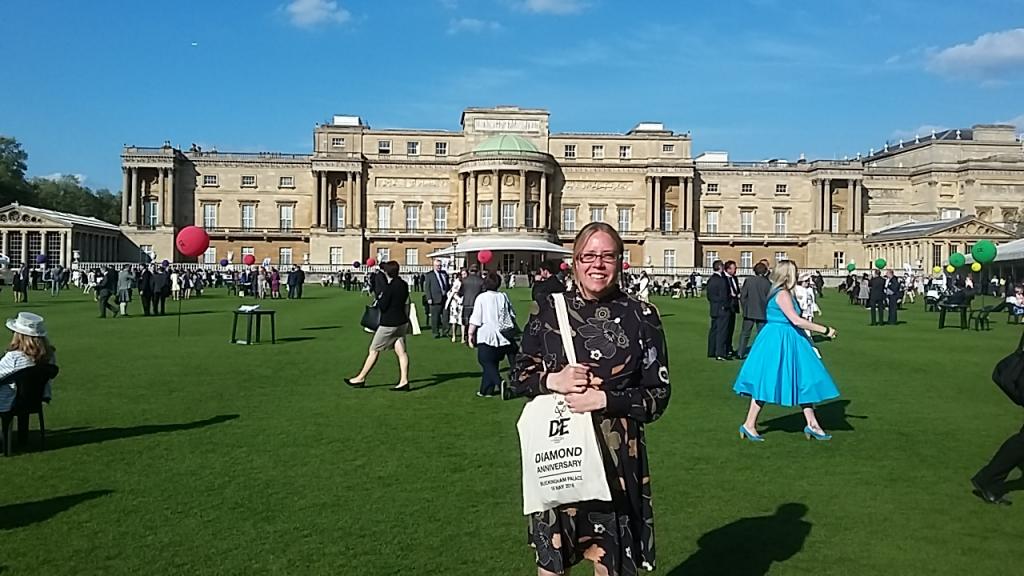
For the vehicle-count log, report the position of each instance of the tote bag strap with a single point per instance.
(562, 314)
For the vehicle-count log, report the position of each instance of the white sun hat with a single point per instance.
(28, 324)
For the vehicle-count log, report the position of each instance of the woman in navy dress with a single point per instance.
(783, 367)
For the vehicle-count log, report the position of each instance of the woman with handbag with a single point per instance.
(393, 305)
(623, 383)
(492, 328)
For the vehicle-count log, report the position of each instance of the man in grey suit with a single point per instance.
(754, 299)
(472, 287)
(436, 290)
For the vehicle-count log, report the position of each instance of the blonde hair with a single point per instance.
(37, 348)
(584, 236)
(783, 276)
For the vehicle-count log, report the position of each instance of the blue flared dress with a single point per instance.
(782, 367)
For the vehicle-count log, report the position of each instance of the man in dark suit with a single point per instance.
(754, 301)
(436, 288)
(146, 290)
(161, 289)
(876, 298)
(893, 291)
(472, 286)
(729, 269)
(718, 305)
(549, 282)
(107, 288)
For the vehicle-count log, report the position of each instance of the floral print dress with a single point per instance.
(621, 340)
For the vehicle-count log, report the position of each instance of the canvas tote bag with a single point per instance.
(562, 462)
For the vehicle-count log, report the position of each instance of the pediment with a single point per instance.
(974, 229)
(27, 218)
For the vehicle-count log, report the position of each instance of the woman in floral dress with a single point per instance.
(623, 380)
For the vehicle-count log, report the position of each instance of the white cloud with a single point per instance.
(988, 55)
(308, 13)
(923, 131)
(60, 175)
(553, 6)
(472, 25)
(1018, 122)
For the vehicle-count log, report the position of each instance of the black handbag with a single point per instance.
(1009, 374)
(371, 317)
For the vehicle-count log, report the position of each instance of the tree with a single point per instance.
(13, 163)
(66, 194)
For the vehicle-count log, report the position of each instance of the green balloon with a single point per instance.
(957, 260)
(851, 267)
(984, 251)
(880, 263)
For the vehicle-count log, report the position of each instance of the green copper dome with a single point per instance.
(506, 143)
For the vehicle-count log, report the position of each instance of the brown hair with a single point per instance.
(37, 348)
(584, 236)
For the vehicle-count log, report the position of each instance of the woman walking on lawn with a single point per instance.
(393, 303)
(783, 367)
(624, 383)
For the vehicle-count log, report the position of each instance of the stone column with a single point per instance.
(350, 198)
(858, 195)
(659, 204)
(544, 223)
(497, 198)
(125, 195)
(474, 204)
(161, 195)
(24, 247)
(522, 199)
(319, 205)
(3, 247)
(133, 197)
(358, 216)
(828, 206)
(168, 214)
(328, 198)
(65, 248)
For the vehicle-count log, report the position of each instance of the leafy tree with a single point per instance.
(13, 163)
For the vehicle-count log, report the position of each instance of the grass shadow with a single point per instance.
(80, 436)
(749, 546)
(295, 339)
(831, 416)
(13, 516)
(312, 328)
(438, 379)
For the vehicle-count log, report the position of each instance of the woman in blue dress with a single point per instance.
(782, 367)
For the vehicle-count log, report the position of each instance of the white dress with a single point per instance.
(454, 304)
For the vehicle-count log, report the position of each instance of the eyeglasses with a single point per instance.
(590, 257)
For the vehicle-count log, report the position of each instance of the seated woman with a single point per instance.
(1017, 304)
(28, 348)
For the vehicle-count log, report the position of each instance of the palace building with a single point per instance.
(406, 194)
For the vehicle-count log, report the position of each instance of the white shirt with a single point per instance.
(13, 361)
(485, 317)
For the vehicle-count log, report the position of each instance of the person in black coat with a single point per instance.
(893, 291)
(436, 287)
(718, 309)
(107, 288)
(145, 283)
(393, 304)
(754, 301)
(876, 298)
(549, 281)
(161, 283)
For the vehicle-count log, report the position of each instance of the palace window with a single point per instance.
(531, 214)
(712, 188)
(666, 219)
(780, 256)
(248, 216)
(384, 216)
(151, 212)
(440, 218)
(210, 180)
(412, 216)
(210, 256)
(746, 259)
(710, 256)
(508, 214)
(936, 255)
(248, 181)
(569, 219)
(286, 182)
(337, 142)
(339, 216)
(597, 213)
(781, 221)
(597, 152)
(747, 189)
(668, 148)
(625, 219)
(35, 245)
(286, 216)
(412, 257)
(781, 190)
(836, 218)
(669, 259)
(440, 148)
(625, 256)
(337, 256)
(570, 151)
(838, 260)
(284, 256)
(412, 148)
(147, 252)
(746, 222)
(486, 215)
(625, 152)
(950, 214)
(383, 146)
(246, 250)
(711, 221)
(383, 255)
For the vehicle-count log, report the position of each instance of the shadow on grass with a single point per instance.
(294, 339)
(81, 436)
(831, 416)
(312, 328)
(438, 379)
(13, 516)
(749, 546)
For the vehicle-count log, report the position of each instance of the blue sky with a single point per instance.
(758, 78)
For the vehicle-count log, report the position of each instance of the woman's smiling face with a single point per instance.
(597, 265)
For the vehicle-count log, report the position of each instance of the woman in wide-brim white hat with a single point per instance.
(29, 347)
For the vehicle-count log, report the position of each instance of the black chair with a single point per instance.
(31, 385)
(980, 318)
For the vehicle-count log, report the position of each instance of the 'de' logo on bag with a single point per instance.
(560, 425)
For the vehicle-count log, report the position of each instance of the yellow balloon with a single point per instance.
(976, 267)
(937, 269)
(950, 269)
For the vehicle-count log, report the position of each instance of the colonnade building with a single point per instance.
(404, 194)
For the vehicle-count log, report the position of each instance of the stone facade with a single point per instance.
(27, 232)
(404, 194)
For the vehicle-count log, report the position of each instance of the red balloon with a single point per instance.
(248, 259)
(371, 262)
(192, 241)
(625, 265)
(564, 266)
(484, 257)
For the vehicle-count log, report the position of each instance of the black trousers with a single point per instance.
(730, 329)
(877, 306)
(748, 326)
(894, 305)
(438, 321)
(159, 304)
(719, 335)
(1009, 456)
(105, 303)
(147, 303)
(713, 337)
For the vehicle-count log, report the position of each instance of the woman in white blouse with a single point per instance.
(28, 348)
(492, 328)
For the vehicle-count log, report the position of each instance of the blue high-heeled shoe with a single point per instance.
(744, 433)
(810, 433)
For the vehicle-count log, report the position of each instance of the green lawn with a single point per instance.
(189, 455)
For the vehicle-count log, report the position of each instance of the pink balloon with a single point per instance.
(371, 262)
(192, 241)
(564, 266)
(625, 265)
(248, 259)
(484, 257)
